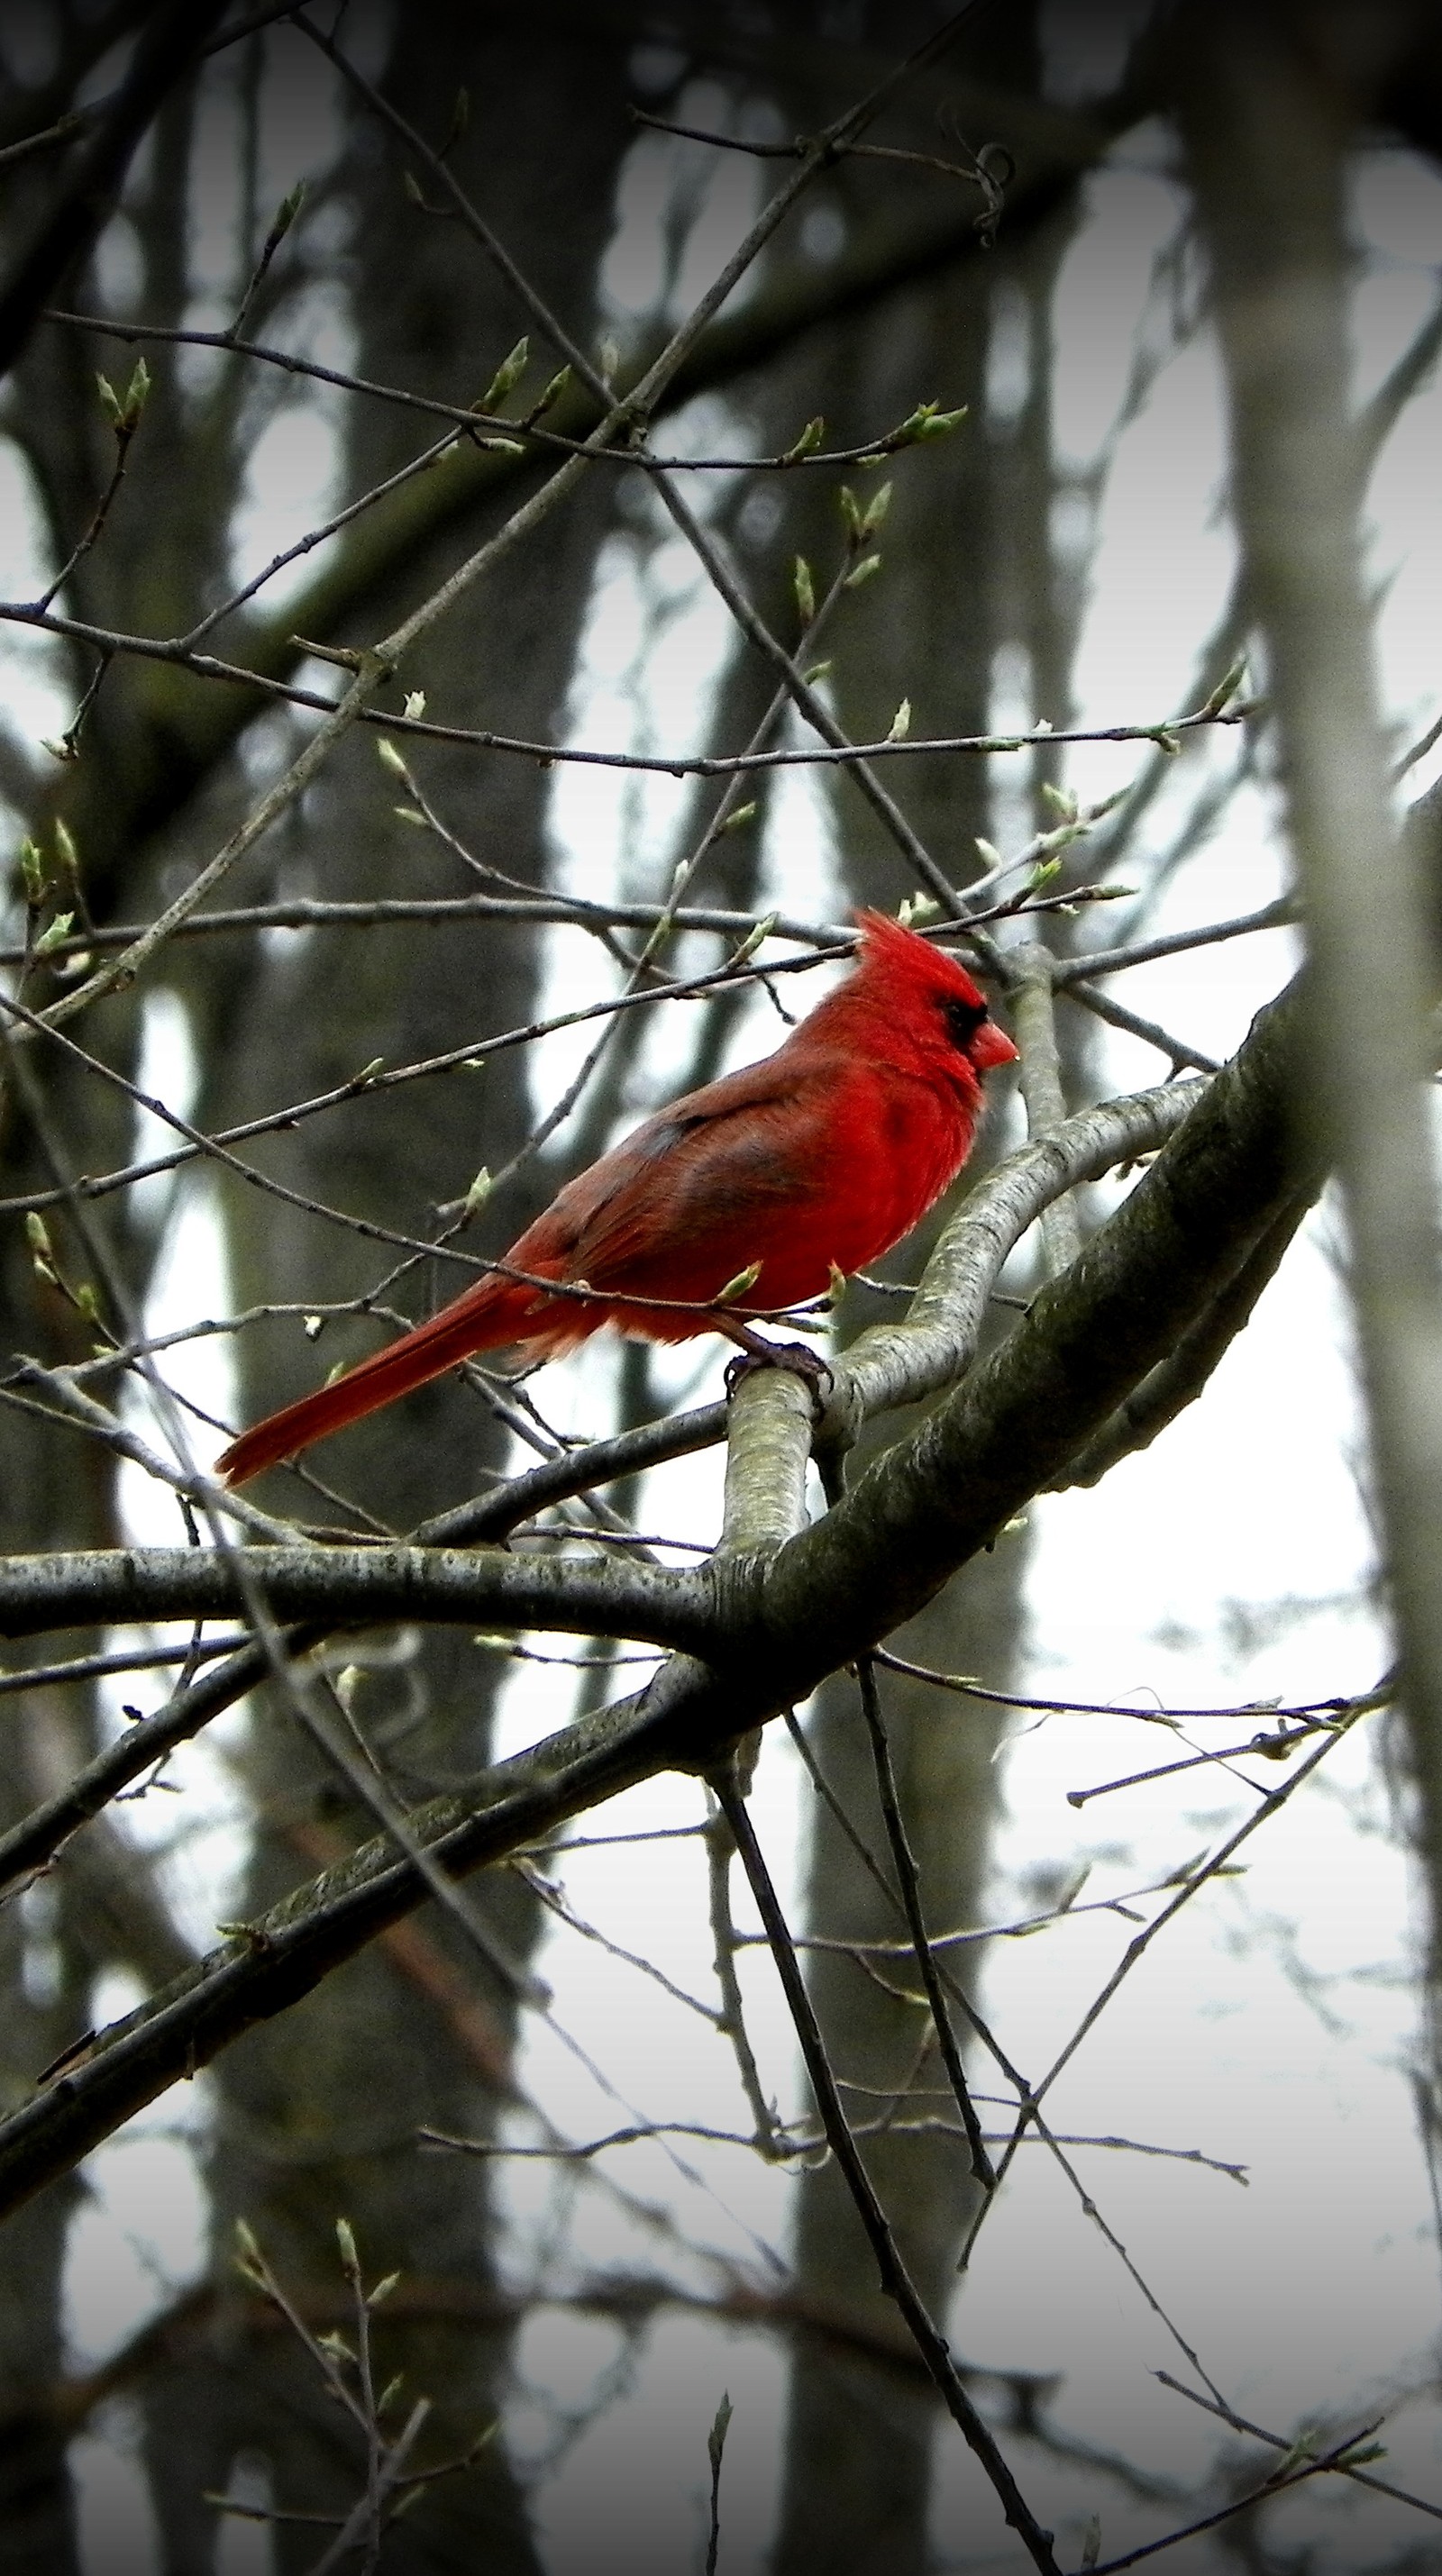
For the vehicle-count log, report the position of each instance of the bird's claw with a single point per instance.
(802, 1361)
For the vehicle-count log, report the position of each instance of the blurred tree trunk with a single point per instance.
(316, 2116)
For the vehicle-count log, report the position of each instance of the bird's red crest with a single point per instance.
(890, 945)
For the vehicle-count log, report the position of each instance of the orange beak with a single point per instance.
(991, 1046)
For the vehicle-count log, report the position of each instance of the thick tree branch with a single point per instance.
(890, 1365)
(350, 1586)
(840, 1585)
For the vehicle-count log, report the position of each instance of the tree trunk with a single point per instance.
(316, 2117)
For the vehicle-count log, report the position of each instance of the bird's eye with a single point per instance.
(963, 1019)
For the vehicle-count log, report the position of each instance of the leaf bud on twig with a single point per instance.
(507, 376)
(756, 937)
(738, 1286)
(136, 395)
(876, 509)
(550, 395)
(1226, 689)
(928, 421)
(33, 871)
(807, 444)
(55, 934)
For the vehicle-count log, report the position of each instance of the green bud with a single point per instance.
(478, 1193)
(928, 421)
(756, 937)
(901, 722)
(382, 2291)
(1059, 801)
(136, 394)
(862, 572)
(851, 514)
(286, 212)
(738, 1286)
(1226, 689)
(551, 394)
(55, 934)
(109, 401)
(507, 376)
(807, 444)
(416, 703)
(876, 509)
(33, 870)
(716, 2438)
(37, 1233)
(345, 2239)
(739, 816)
(390, 758)
(805, 589)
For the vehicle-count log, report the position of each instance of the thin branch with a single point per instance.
(896, 2281)
(903, 1861)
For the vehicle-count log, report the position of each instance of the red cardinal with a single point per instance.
(819, 1158)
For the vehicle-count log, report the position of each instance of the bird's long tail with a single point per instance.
(486, 1318)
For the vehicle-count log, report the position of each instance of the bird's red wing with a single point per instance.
(705, 1188)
